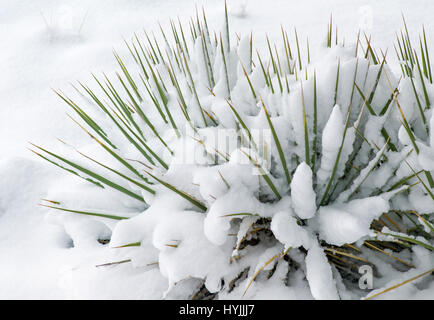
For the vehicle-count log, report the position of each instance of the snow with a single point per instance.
(319, 275)
(52, 255)
(288, 232)
(121, 282)
(347, 223)
(362, 177)
(431, 124)
(302, 194)
(193, 252)
(415, 289)
(331, 142)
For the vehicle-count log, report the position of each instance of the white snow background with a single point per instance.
(48, 44)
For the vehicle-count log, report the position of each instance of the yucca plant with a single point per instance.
(290, 165)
